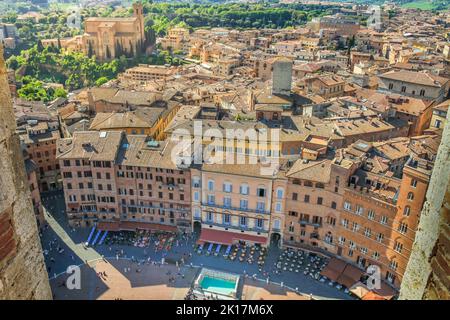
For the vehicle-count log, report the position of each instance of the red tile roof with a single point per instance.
(227, 237)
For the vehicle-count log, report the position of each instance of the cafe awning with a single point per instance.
(349, 276)
(372, 296)
(359, 289)
(333, 269)
(133, 226)
(228, 237)
(109, 226)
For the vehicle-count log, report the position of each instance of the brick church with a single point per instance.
(107, 38)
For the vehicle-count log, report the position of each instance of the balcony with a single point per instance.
(239, 228)
(314, 235)
(153, 207)
(307, 223)
(213, 205)
(172, 187)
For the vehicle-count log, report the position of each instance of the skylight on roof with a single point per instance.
(103, 134)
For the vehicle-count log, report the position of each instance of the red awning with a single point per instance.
(373, 296)
(133, 226)
(385, 291)
(333, 269)
(350, 276)
(227, 237)
(110, 226)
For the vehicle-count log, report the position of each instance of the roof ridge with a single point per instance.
(107, 118)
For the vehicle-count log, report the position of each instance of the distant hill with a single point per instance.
(426, 4)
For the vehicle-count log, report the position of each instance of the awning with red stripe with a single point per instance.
(133, 226)
(227, 237)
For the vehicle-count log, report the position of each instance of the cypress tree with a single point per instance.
(90, 51)
(108, 53)
(40, 46)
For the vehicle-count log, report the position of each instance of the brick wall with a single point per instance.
(22, 269)
(426, 275)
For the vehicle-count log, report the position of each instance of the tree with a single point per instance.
(101, 80)
(33, 91)
(59, 44)
(90, 50)
(119, 50)
(108, 53)
(131, 50)
(60, 93)
(40, 46)
(13, 63)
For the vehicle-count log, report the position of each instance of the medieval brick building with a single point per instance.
(108, 38)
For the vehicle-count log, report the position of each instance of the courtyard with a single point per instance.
(134, 272)
(124, 280)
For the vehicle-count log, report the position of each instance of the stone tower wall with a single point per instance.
(22, 270)
(426, 275)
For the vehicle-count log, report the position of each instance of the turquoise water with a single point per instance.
(219, 286)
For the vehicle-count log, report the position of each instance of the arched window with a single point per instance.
(329, 238)
(407, 211)
(410, 196)
(105, 38)
(402, 227)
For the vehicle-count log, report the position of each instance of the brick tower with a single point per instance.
(426, 276)
(22, 270)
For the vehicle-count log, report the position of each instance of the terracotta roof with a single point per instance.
(91, 145)
(318, 171)
(443, 106)
(113, 95)
(108, 19)
(140, 118)
(422, 78)
(381, 101)
(135, 151)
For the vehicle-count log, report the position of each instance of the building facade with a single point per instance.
(132, 182)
